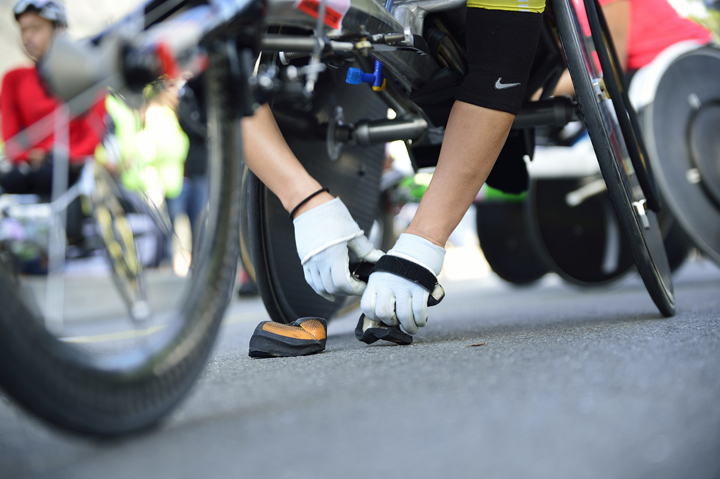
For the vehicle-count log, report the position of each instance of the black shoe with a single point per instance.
(369, 331)
(276, 340)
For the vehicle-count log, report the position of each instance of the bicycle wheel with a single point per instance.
(639, 223)
(354, 177)
(134, 366)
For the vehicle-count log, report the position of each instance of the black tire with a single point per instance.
(640, 225)
(354, 177)
(506, 244)
(125, 392)
(583, 244)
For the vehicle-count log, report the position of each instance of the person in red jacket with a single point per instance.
(650, 26)
(28, 111)
(641, 30)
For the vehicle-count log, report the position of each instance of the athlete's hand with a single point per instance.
(323, 236)
(393, 299)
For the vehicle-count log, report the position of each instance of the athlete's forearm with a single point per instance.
(270, 158)
(473, 140)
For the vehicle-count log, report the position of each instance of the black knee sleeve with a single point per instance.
(500, 47)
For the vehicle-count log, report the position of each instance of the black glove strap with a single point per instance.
(413, 272)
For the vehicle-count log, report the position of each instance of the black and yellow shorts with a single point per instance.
(501, 39)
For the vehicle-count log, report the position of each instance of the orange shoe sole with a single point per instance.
(302, 337)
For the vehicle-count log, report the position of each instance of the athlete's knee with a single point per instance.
(501, 45)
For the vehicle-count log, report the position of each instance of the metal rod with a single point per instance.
(383, 131)
(299, 43)
(577, 197)
(55, 286)
(554, 112)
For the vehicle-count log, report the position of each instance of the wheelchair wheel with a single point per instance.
(637, 220)
(581, 243)
(681, 125)
(505, 242)
(97, 367)
(354, 177)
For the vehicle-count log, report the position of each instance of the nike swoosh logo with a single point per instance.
(501, 86)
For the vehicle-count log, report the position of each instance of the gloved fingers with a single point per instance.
(385, 307)
(379, 304)
(326, 277)
(329, 297)
(313, 278)
(364, 249)
(309, 277)
(337, 260)
(368, 302)
(405, 314)
(338, 281)
(419, 307)
(331, 274)
(348, 283)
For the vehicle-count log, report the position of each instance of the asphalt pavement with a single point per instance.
(547, 381)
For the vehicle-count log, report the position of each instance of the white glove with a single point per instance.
(323, 236)
(392, 299)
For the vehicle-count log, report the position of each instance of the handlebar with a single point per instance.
(159, 38)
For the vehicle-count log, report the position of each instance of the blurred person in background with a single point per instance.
(193, 119)
(144, 147)
(28, 111)
(144, 150)
(163, 143)
(164, 147)
(641, 30)
(194, 195)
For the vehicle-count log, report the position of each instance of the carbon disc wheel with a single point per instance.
(581, 243)
(506, 244)
(354, 177)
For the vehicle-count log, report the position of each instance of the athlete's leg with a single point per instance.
(501, 46)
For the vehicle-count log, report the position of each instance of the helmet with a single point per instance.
(48, 9)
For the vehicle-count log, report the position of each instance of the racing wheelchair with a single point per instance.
(84, 383)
